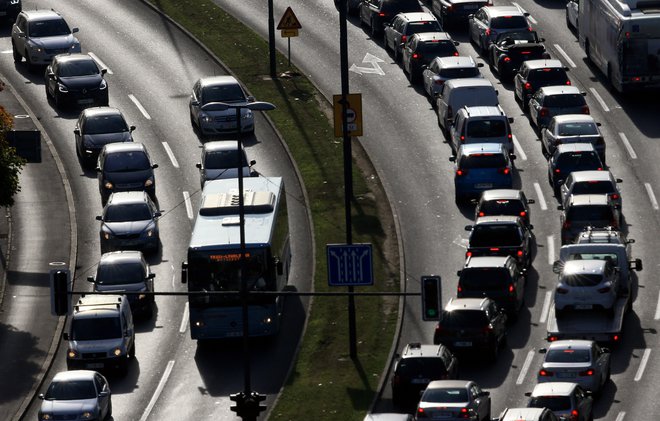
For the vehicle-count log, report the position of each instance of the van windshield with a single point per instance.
(95, 329)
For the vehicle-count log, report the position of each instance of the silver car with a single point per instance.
(211, 118)
(40, 35)
(572, 128)
(220, 160)
(76, 395)
(591, 182)
(441, 69)
(454, 400)
(578, 361)
(586, 285)
(550, 101)
(564, 399)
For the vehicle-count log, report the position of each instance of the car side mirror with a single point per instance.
(583, 93)
(157, 214)
(253, 162)
(526, 14)
(458, 272)
(99, 218)
(531, 201)
(480, 65)
(497, 92)
(605, 350)
(90, 279)
(65, 336)
(74, 30)
(618, 180)
(76, 132)
(528, 394)
(250, 98)
(471, 16)
(638, 265)
(130, 129)
(104, 71)
(531, 226)
(630, 241)
(154, 166)
(598, 124)
(556, 266)
(513, 157)
(484, 393)
(97, 169)
(151, 275)
(541, 39)
(452, 159)
(456, 43)
(194, 102)
(199, 165)
(510, 119)
(543, 350)
(560, 207)
(103, 394)
(468, 228)
(41, 396)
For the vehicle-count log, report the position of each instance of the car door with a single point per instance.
(19, 34)
(519, 82)
(427, 77)
(102, 398)
(456, 129)
(548, 136)
(535, 104)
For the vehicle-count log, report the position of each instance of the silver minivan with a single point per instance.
(458, 93)
(481, 125)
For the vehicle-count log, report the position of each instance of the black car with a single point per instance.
(472, 324)
(501, 236)
(96, 127)
(126, 272)
(511, 49)
(570, 157)
(452, 12)
(503, 202)
(75, 79)
(535, 74)
(376, 13)
(416, 367)
(125, 167)
(9, 9)
(422, 48)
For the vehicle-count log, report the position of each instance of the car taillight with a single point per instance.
(511, 288)
(510, 137)
(488, 32)
(552, 338)
(616, 338)
(403, 38)
(468, 254)
(487, 329)
(543, 112)
(462, 138)
(568, 83)
(464, 413)
(566, 225)
(416, 56)
(506, 59)
(505, 170)
(557, 171)
(589, 372)
(574, 415)
(585, 109)
(459, 288)
(523, 214)
(529, 29)
(528, 86)
(461, 173)
(545, 373)
(519, 253)
(614, 196)
(561, 291)
(439, 81)
(450, 8)
(604, 290)
(438, 328)
(382, 14)
(494, 249)
(482, 213)
(525, 53)
(421, 413)
(456, 54)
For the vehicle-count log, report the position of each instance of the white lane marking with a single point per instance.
(551, 249)
(539, 194)
(519, 148)
(140, 107)
(100, 63)
(642, 364)
(546, 307)
(186, 200)
(525, 367)
(531, 19)
(657, 310)
(628, 146)
(566, 57)
(170, 154)
(173, 277)
(599, 99)
(649, 191)
(184, 320)
(620, 415)
(7, 51)
(159, 390)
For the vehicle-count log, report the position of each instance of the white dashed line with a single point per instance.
(7, 51)
(186, 200)
(546, 307)
(566, 57)
(551, 249)
(100, 63)
(530, 18)
(628, 146)
(642, 364)
(525, 367)
(649, 191)
(599, 99)
(159, 390)
(184, 320)
(620, 416)
(519, 148)
(539, 194)
(175, 163)
(657, 310)
(140, 107)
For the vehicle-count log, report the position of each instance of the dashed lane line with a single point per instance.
(551, 249)
(539, 194)
(525, 367)
(627, 145)
(159, 390)
(184, 319)
(620, 416)
(566, 57)
(100, 63)
(519, 148)
(186, 200)
(649, 191)
(599, 99)
(657, 309)
(546, 307)
(139, 106)
(175, 163)
(642, 364)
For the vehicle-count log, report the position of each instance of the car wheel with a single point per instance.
(17, 56)
(587, 50)
(108, 414)
(495, 352)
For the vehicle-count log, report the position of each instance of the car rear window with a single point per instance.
(483, 160)
(591, 213)
(457, 73)
(425, 26)
(430, 368)
(401, 6)
(568, 356)
(593, 187)
(222, 159)
(502, 207)
(120, 274)
(575, 129)
(464, 319)
(486, 128)
(582, 280)
(127, 213)
(548, 76)
(437, 48)
(491, 235)
(445, 395)
(553, 403)
(509, 22)
(485, 279)
(126, 161)
(564, 100)
(574, 161)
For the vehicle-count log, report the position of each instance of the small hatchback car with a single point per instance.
(592, 182)
(481, 125)
(572, 128)
(220, 160)
(501, 236)
(403, 26)
(96, 127)
(504, 202)
(75, 79)
(479, 167)
(587, 210)
(441, 69)
(587, 285)
(490, 21)
(569, 158)
(125, 167)
(535, 74)
(454, 400)
(76, 395)
(551, 101)
(422, 48)
(416, 367)
(564, 399)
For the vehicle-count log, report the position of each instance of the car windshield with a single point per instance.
(548, 76)
(127, 213)
(95, 329)
(78, 68)
(582, 280)
(577, 129)
(459, 72)
(223, 159)
(425, 26)
(126, 162)
(483, 160)
(114, 123)
(553, 403)
(502, 207)
(71, 390)
(222, 93)
(509, 22)
(485, 279)
(593, 187)
(568, 356)
(564, 100)
(591, 213)
(596, 256)
(120, 273)
(486, 128)
(430, 368)
(464, 319)
(576, 161)
(48, 28)
(445, 395)
(437, 48)
(492, 235)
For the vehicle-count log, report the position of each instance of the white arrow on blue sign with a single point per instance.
(349, 265)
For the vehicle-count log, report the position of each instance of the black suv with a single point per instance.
(587, 210)
(416, 367)
(496, 277)
(75, 79)
(472, 324)
(451, 12)
(511, 49)
(376, 13)
(422, 48)
(501, 236)
(535, 74)
(571, 157)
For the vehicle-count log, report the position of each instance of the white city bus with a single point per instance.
(622, 38)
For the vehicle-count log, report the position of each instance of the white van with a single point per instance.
(458, 93)
(101, 334)
(481, 125)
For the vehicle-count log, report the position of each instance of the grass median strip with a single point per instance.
(325, 383)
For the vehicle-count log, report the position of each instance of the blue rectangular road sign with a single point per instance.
(349, 265)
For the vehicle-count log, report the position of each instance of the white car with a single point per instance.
(587, 285)
(207, 110)
(76, 395)
(578, 361)
(572, 10)
(220, 160)
(40, 35)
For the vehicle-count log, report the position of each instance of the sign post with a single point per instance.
(289, 25)
(353, 115)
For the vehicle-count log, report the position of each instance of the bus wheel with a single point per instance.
(587, 50)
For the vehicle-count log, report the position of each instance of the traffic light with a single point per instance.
(239, 408)
(60, 289)
(247, 406)
(430, 298)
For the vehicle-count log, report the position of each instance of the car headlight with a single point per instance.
(72, 353)
(117, 352)
(75, 47)
(86, 415)
(35, 48)
(107, 235)
(150, 232)
(104, 84)
(108, 185)
(46, 416)
(247, 115)
(205, 118)
(14, 1)
(149, 182)
(62, 87)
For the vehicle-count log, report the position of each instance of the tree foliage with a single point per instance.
(10, 163)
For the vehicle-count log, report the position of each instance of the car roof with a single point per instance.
(554, 389)
(588, 199)
(218, 80)
(592, 175)
(496, 194)
(124, 147)
(42, 14)
(484, 111)
(573, 267)
(417, 16)
(560, 90)
(221, 145)
(496, 11)
(469, 81)
(126, 197)
(432, 36)
(466, 304)
(522, 414)
(100, 111)
(575, 147)
(74, 375)
(571, 344)
(543, 63)
(123, 256)
(498, 219)
(451, 62)
(475, 148)
(574, 118)
(67, 57)
(449, 383)
(486, 261)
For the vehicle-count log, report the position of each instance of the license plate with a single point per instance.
(484, 185)
(419, 381)
(234, 334)
(3, 13)
(470, 6)
(583, 306)
(463, 343)
(86, 101)
(441, 414)
(565, 375)
(94, 365)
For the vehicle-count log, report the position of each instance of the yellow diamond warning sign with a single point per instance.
(289, 20)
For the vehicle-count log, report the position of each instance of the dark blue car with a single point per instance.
(479, 167)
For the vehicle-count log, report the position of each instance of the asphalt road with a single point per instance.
(152, 67)
(407, 149)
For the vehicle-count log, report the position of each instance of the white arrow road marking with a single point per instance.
(375, 67)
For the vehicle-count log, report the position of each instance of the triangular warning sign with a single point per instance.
(289, 20)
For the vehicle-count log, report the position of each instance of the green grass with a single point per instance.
(325, 384)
